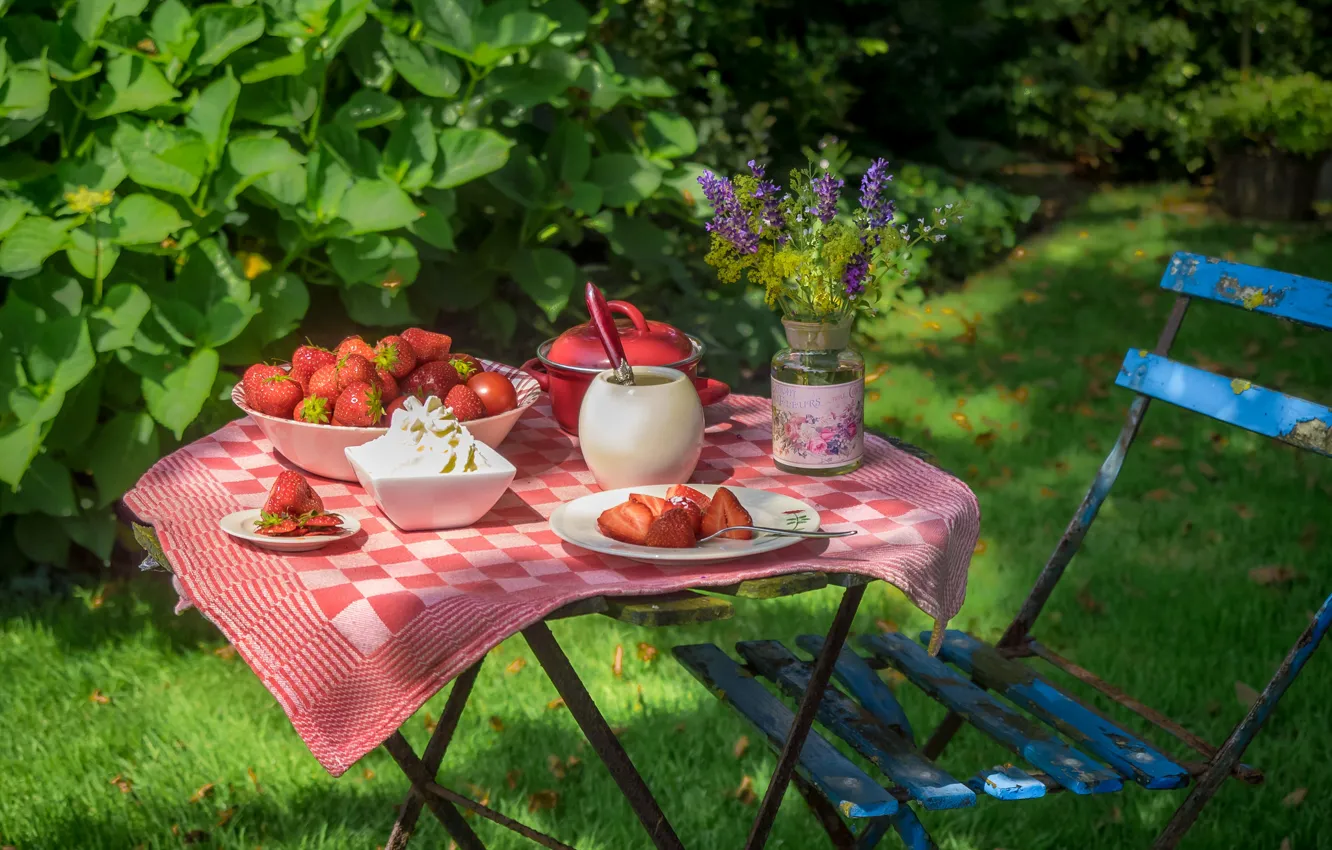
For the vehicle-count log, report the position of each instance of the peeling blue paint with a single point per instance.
(1007, 782)
(1287, 296)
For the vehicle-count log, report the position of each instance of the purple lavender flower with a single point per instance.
(854, 276)
(730, 221)
(826, 188)
(756, 168)
(770, 216)
(878, 210)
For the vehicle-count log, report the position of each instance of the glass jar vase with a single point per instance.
(818, 400)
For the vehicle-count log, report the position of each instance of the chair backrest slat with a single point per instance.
(1273, 293)
(1270, 413)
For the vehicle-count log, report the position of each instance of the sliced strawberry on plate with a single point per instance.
(672, 530)
(683, 491)
(724, 511)
(656, 504)
(275, 525)
(322, 520)
(627, 523)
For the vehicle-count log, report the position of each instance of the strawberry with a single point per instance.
(432, 378)
(355, 345)
(672, 530)
(695, 515)
(321, 520)
(726, 510)
(256, 373)
(429, 347)
(627, 522)
(388, 385)
(359, 405)
(465, 403)
(465, 365)
(324, 383)
(275, 525)
(394, 355)
(687, 493)
(394, 406)
(307, 360)
(657, 505)
(274, 395)
(314, 409)
(292, 495)
(355, 369)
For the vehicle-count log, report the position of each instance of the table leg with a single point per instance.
(804, 718)
(420, 777)
(600, 736)
(434, 755)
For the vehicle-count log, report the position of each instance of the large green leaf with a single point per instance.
(29, 243)
(265, 62)
(211, 114)
(367, 108)
(42, 539)
(132, 85)
(449, 20)
(173, 29)
(250, 158)
(142, 219)
(117, 319)
(46, 488)
(568, 151)
(175, 391)
(94, 531)
(19, 442)
(375, 205)
(524, 86)
(375, 260)
(225, 29)
(160, 156)
(63, 354)
(428, 70)
(624, 179)
(409, 156)
(469, 154)
(327, 181)
(378, 307)
(12, 210)
(347, 17)
(283, 301)
(547, 276)
(122, 451)
(433, 228)
(357, 155)
(25, 95)
(582, 197)
(280, 102)
(90, 16)
(670, 135)
(499, 32)
(89, 254)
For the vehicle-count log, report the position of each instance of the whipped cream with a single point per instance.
(424, 437)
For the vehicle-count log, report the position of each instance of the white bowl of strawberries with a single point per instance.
(327, 401)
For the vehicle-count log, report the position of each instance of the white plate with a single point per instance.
(240, 525)
(576, 523)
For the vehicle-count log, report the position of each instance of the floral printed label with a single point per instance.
(818, 426)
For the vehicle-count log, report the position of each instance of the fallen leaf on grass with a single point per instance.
(203, 792)
(254, 780)
(617, 665)
(1285, 844)
(194, 836)
(555, 765)
(496, 723)
(617, 731)
(226, 653)
(122, 783)
(1160, 494)
(886, 626)
(981, 546)
(1047, 493)
(225, 815)
(1275, 574)
(542, 800)
(1166, 443)
(1246, 695)
(1294, 798)
(647, 653)
(745, 793)
(961, 419)
(741, 746)
(984, 440)
(1309, 536)
(98, 697)
(515, 665)
(1244, 511)
(1188, 487)
(1089, 603)
(1208, 471)
(367, 774)
(429, 722)
(558, 702)
(511, 778)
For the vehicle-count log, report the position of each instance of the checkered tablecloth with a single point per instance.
(353, 638)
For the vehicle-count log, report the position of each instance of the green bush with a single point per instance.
(1291, 114)
(180, 179)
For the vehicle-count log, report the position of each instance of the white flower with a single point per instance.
(948, 206)
(928, 228)
(958, 217)
(939, 237)
(938, 210)
(943, 222)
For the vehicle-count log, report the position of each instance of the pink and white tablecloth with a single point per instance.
(352, 639)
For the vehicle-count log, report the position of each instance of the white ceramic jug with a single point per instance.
(649, 433)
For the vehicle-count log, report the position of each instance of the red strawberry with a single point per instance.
(274, 395)
(355, 369)
(355, 345)
(292, 496)
(314, 409)
(685, 492)
(726, 510)
(432, 378)
(307, 360)
(466, 404)
(359, 405)
(388, 385)
(657, 505)
(394, 406)
(275, 525)
(323, 520)
(256, 373)
(324, 383)
(695, 515)
(465, 365)
(394, 355)
(627, 522)
(429, 347)
(672, 530)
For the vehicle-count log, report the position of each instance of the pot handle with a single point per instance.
(711, 390)
(534, 368)
(627, 309)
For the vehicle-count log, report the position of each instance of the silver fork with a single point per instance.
(780, 532)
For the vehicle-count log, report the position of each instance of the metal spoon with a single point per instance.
(610, 336)
(780, 532)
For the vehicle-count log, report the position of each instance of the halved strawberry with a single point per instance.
(321, 520)
(724, 511)
(627, 522)
(684, 491)
(275, 525)
(656, 504)
(672, 530)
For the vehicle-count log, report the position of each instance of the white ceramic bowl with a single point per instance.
(320, 449)
(430, 501)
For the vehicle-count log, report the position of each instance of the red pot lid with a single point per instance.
(645, 343)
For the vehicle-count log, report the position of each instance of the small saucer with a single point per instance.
(240, 525)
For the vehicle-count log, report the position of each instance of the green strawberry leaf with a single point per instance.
(469, 154)
(547, 276)
(122, 451)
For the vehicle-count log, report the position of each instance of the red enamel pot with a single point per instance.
(566, 365)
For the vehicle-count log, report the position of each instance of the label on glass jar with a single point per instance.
(818, 427)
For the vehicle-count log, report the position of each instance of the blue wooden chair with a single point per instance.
(1067, 745)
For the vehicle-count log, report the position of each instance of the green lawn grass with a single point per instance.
(1023, 407)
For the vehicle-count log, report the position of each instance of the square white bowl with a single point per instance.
(434, 501)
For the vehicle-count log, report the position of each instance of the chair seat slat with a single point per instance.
(1007, 782)
(1273, 293)
(863, 684)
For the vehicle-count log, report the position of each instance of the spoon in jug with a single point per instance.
(610, 336)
